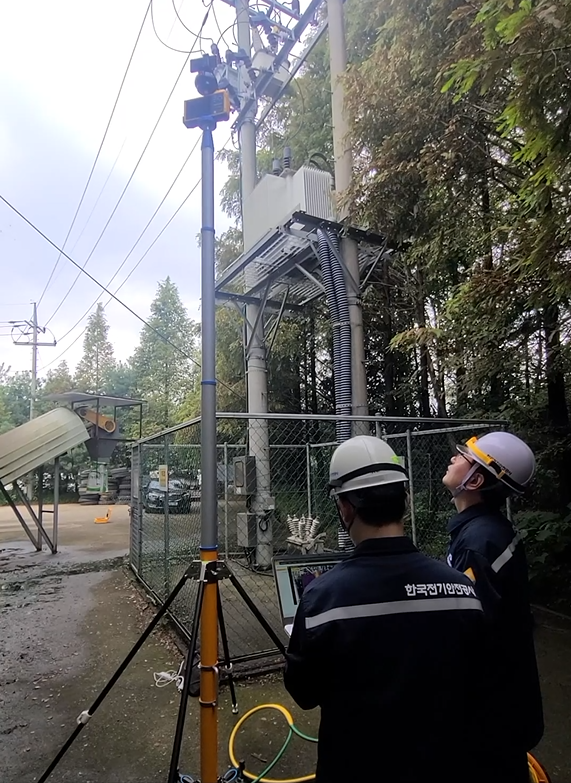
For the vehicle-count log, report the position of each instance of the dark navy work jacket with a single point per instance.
(484, 544)
(387, 643)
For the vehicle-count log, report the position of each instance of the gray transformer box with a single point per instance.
(245, 475)
(246, 530)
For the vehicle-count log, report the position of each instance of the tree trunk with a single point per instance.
(389, 369)
(437, 388)
(461, 392)
(557, 410)
(488, 260)
(423, 386)
(313, 360)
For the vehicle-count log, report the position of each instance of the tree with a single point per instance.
(59, 380)
(94, 369)
(16, 397)
(162, 363)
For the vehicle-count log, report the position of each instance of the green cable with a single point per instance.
(302, 735)
(273, 763)
(292, 730)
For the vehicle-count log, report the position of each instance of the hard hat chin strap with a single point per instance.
(462, 487)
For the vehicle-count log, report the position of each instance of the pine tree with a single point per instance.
(95, 367)
(58, 380)
(163, 368)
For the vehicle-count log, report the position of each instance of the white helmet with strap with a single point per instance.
(504, 455)
(363, 462)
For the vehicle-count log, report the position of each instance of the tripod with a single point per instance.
(203, 113)
(207, 573)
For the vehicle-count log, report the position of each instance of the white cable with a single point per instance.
(165, 678)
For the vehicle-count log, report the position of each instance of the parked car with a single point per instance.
(179, 498)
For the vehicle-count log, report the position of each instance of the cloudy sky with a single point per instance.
(61, 64)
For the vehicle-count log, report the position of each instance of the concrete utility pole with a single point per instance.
(27, 329)
(34, 360)
(257, 374)
(343, 176)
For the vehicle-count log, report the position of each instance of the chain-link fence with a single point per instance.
(272, 472)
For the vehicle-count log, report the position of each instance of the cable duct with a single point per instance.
(336, 292)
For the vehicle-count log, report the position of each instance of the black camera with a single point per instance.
(206, 82)
(214, 106)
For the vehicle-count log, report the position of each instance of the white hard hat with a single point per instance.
(363, 462)
(506, 456)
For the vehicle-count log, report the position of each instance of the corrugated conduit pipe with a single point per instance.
(336, 293)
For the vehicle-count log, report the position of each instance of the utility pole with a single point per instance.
(256, 362)
(34, 360)
(343, 175)
(27, 329)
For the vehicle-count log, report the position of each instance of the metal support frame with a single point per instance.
(410, 485)
(302, 23)
(274, 330)
(259, 316)
(309, 276)
(341, 260)
(167, 523)
(271, 304)
(292, 74)
(278, 6)
(36, 518)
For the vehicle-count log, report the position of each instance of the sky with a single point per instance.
(61, 64)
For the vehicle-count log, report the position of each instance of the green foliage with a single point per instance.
(547, 537)
(163, 372)
(93, 373)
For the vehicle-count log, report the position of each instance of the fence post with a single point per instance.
(411, 484)
(308, 472)
(167, 521)
(226, 474)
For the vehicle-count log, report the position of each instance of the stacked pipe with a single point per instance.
(335, 286)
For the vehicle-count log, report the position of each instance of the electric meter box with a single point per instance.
(244, 475)
(246, 530)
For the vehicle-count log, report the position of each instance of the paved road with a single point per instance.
(77, 530)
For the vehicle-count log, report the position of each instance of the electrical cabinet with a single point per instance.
(245, 475)
(246, 530)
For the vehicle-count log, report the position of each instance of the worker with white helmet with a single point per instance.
(387, 642)
(485, 546)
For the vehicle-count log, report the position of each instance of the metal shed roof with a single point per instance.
(25, 448)
(74, 397)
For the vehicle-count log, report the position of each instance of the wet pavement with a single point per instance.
(66, 623)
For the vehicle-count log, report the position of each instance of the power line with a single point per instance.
(98, 151)
(70, 289)
(178, 16)
(94, 280)
(198, 36)
(99, 196)
(141, 236)
(231, 27)
(112, 295)
(155, 240)
(115, 208)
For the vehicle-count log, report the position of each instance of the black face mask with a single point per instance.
(346, 528)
